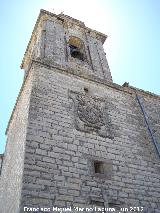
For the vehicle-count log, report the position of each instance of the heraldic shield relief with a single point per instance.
(90, 114)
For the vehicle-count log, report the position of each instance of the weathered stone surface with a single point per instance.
(13, 162)
(49, 160)
(90, 114)
(1, 161)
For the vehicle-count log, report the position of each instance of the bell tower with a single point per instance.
(59, 40)
(75, 139)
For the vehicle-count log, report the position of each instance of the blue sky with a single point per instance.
(132, 47)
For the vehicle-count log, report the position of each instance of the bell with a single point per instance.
(75, 53)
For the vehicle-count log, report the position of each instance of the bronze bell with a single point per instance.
(75, 53)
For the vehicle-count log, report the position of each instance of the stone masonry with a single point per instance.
(75, 138)
(1, 162)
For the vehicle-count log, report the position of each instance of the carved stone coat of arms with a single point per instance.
(90, 114)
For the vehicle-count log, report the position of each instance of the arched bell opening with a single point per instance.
(77, 49)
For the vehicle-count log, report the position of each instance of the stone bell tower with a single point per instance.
(75, 139)
(67, 43)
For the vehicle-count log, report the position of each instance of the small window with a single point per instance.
(77, 49)
(99, 167)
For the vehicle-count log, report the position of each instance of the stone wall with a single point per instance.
(65, 138)
(12, 170)
(153, 113)
(75, 138)
(1, 162)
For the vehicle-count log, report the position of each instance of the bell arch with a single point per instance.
(77, 48)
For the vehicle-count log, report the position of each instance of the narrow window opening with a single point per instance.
(99, 167)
